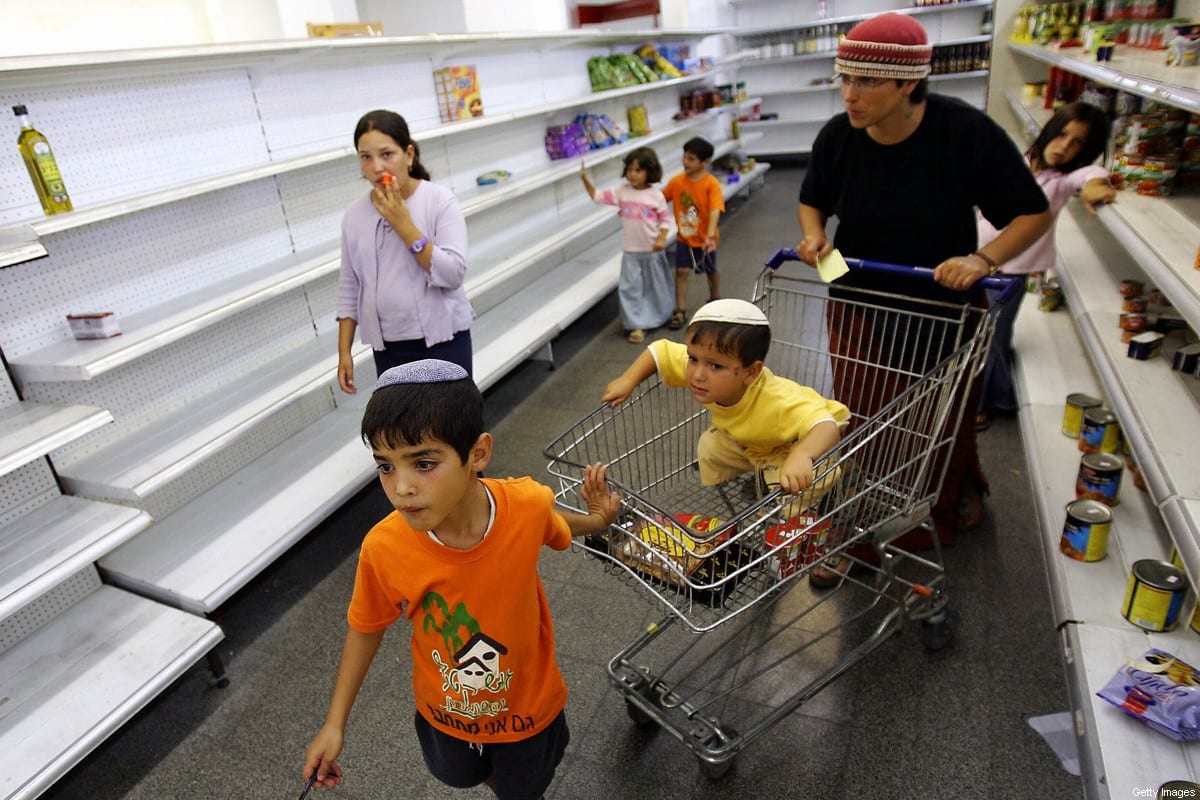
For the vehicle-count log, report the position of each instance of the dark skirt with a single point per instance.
(457, 350)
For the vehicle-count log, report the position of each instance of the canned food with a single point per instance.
(1154, 595)
(1077, 403)
(1099, 432)
(1099, 477)
(1052, 295)
(1132, 288)
(1130, 321)
(1134, 305)
(1085, 533)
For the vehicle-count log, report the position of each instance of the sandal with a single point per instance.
(829, 573)
(982, 422)
(678, 317)
(637, 336)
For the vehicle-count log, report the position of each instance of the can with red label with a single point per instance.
(1132, 288)
(1134, 305)
(1099, 477)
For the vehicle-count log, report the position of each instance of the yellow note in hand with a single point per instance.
(832, 267)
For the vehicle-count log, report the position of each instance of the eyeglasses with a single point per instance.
(858, 83)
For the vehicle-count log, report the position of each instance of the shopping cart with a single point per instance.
(726, 560)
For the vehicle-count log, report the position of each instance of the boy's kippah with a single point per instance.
(741, 312)
(427, 370)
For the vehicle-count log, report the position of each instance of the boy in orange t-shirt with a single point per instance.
(698, 203)
(458, 558)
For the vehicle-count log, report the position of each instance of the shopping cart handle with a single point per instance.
(1000, 282)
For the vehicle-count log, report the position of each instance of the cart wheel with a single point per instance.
(639, 717)
(714, 772)
(938, 631)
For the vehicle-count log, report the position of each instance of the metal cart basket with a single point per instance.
(726, 561)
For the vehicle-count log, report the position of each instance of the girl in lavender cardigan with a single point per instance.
(404, 258)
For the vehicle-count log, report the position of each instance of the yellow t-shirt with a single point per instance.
(774, 412)
(484, 668)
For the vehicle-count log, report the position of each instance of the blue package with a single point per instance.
(1161, 691)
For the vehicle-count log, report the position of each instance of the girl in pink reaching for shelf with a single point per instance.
(1061, 158)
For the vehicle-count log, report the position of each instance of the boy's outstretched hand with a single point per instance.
(600, 501)
(618, 391)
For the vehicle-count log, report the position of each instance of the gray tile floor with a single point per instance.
(904, 723)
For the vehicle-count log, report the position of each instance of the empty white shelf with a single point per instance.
(31, 430)
(56, 540)
(74, 681)
(132, 467)
(201, 554)
(144, 331)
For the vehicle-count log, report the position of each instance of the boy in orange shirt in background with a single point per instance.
(698, 202)
(458, 558)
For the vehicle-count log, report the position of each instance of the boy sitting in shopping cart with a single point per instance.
(760, 421)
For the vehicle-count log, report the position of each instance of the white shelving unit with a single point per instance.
(207, 438)
(1078, 349)
(77, 659)
(797, 86)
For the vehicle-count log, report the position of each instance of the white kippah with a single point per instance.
(741, 312)
(427, 370)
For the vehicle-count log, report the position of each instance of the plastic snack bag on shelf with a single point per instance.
(1161, 691)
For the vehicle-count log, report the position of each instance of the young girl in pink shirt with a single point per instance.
(646, 289)
(1061, 158)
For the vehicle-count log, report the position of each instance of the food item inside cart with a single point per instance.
(673, 552)
(663, 548)
(1161, 691)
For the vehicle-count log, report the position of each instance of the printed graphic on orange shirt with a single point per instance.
(687, 216)
(471, 668)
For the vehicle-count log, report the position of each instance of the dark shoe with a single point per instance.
(678, 317)
(970, 505)
(828, 573)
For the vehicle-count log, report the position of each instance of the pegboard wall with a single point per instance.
(195, 371)
(37, 613)
(25, 489)
(315, 199)
(138, 261)
(315, 106)
(125, 136)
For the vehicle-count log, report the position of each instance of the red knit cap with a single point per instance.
(887, 46)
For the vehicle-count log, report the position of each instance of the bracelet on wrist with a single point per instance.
(992, 266)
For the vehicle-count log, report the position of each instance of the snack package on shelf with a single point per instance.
(565, 141)
(601, 130)
(1161, 691)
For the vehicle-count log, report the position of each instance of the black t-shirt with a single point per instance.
(914, 202)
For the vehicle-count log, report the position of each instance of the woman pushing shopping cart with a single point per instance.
(726, 559)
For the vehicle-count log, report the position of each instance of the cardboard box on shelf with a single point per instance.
(457, 91)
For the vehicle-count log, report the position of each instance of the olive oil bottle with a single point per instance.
(43, 169)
